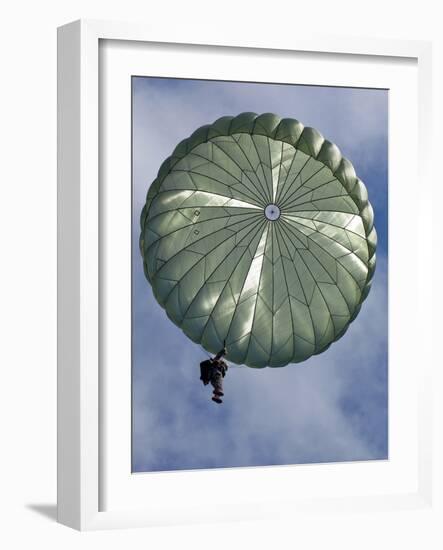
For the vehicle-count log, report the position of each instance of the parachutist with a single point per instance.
(213, 371)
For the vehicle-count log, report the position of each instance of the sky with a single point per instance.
(332, 407)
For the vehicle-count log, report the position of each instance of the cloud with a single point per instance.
(333, 407)
(330, 408)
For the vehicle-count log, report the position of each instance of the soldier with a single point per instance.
(213, 371)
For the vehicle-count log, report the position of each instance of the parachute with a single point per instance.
(257, 231)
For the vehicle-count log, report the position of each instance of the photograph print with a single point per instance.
(259, 274)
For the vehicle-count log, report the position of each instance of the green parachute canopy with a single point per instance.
(258, 232)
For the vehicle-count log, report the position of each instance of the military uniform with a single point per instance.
(213, 371)
(218, 371)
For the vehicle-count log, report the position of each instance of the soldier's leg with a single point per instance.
(216, 381)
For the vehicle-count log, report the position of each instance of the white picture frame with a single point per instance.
(84, 466)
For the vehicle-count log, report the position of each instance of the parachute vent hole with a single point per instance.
(272, 212)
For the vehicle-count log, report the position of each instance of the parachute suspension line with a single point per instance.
(205, 352)
(231, 365)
